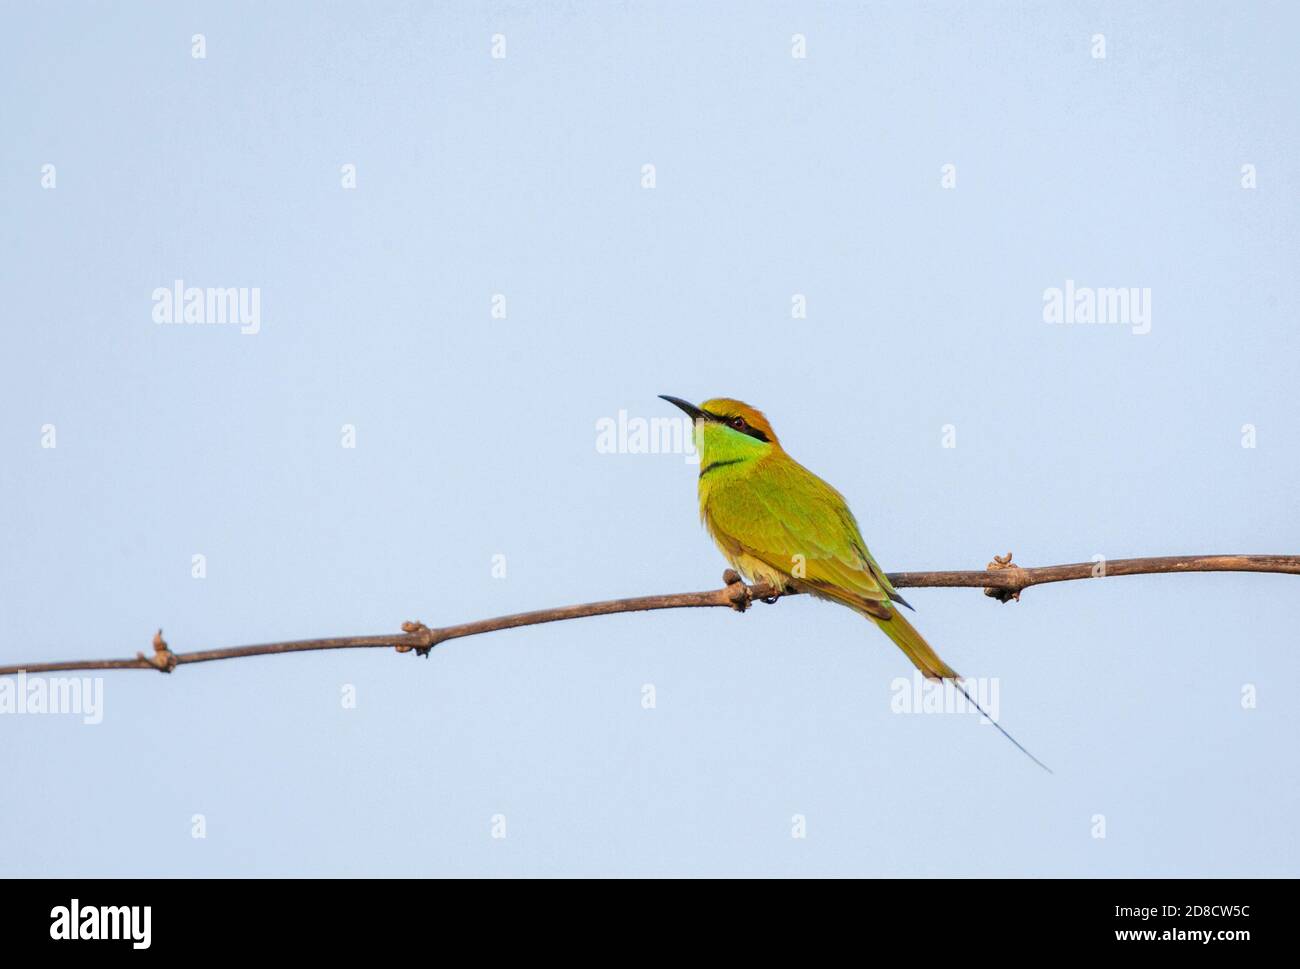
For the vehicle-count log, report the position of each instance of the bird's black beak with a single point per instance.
(695, 413)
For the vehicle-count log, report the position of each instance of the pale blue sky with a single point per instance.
(476, 436)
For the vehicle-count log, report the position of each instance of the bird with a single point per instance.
(778, 523)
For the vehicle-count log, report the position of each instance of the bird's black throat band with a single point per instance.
(718, 464)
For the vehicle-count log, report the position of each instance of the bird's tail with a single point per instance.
(913, 644)
(928, 662)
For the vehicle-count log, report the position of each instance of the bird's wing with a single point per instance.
(787, 517)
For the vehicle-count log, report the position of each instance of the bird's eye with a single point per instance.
(737, 422)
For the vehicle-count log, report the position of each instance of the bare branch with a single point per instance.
(1003, 580)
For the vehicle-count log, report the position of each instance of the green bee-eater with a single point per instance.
(777, 522)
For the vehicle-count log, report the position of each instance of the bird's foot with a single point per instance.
(775, 593)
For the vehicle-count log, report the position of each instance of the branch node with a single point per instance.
(163, 659)
(1000, 563)
(738, 594)
(427, 639)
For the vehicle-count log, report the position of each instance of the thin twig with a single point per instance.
(1003, 580)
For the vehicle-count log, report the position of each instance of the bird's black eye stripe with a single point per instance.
(737, 423)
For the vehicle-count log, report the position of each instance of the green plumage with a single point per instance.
(777, 522)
